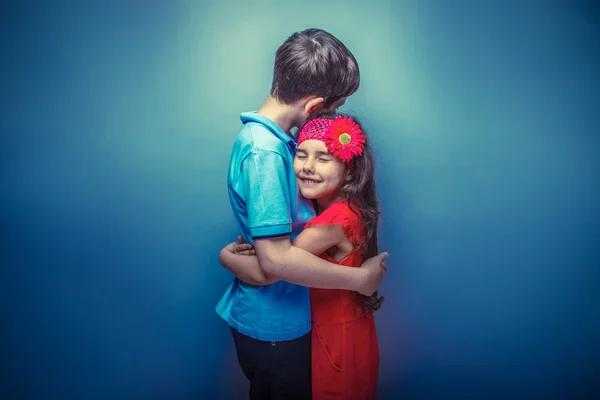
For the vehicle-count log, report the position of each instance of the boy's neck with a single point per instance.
(286, 116)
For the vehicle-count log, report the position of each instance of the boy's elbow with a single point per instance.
(268, 265)
(272, 263)
(260, 279)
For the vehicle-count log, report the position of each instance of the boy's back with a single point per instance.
(263, 197)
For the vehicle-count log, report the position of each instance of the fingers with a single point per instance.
(383, 266)
(384, 256)
(247, 253)
(238, 248)
(240, 239)
(245, 249)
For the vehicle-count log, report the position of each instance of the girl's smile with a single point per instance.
(308, 182)
(319, 174)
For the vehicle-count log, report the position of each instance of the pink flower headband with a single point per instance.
(342, 136)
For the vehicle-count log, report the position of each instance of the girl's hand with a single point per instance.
(241, 248)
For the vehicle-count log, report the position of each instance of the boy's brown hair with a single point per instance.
(314, 63)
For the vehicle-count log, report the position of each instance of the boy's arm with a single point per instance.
(322, 274)
(280, 259)
(315, 240)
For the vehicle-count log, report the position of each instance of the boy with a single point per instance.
(270, 324)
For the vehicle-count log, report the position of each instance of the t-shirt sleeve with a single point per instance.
(267, 193)
(339, 213)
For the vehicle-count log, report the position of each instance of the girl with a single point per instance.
(334, 167)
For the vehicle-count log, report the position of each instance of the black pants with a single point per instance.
(276, 370)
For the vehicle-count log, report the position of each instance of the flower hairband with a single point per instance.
(344, 138)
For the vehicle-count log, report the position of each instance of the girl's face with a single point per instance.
(319, 174)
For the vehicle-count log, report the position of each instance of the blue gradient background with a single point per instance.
(117, 119)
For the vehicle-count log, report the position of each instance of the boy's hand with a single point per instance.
(375, 269)
(241, 248)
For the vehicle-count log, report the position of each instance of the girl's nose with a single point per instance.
(308, 166)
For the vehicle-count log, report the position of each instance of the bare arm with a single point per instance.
(315, 240)
(245, 267)
(278, 259)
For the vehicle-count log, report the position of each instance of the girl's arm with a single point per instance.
(316, 240)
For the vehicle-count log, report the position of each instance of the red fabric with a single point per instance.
(345, 353)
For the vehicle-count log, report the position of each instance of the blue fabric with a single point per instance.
(265, 203)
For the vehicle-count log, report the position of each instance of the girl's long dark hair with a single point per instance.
(361, 194)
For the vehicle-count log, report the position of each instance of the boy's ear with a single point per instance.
(314, 105)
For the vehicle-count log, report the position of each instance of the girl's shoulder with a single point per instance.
(344, 214)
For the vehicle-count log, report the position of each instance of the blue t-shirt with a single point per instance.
(265, 203)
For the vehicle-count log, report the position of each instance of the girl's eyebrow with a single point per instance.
(319, 153)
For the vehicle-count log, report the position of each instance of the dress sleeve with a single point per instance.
(340, 213)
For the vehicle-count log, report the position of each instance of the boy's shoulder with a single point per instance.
(254, 136)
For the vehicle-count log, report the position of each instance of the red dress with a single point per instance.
(345, 353)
